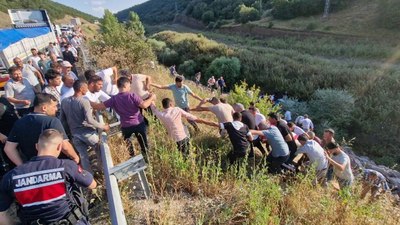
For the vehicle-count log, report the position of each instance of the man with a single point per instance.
(140, 85)
(53, 60)
(279, 149)
(261, 124)
(172, 70)
(340, 162)
(35, 58)
(307, 124)
(221, 84)
(197, 78)
(29, 72)
(95, 93)
(20, 92)
(211, 83)
(222, 111)
(239, 135)
(171, 117)
(180, 92)
(285, 131)
(67, 70)
(328, 137)
(54, 50)
(7, 119)
(41, 186)
(43, 63)
(67, 89)
(295, 129)
(375, 182)
(69, 56)
(26, 131)
(110, 77)
(127, 105)
(288, 116)
(314, 137)
(77, 118)
(76, 43)
(316, 155)
(53, 82)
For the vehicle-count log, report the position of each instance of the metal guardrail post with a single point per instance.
(113, 195)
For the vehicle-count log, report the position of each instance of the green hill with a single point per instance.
(55, 10)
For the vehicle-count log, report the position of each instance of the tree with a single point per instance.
(245, 14)
(229, 68)
(111, 30)
(135, 24)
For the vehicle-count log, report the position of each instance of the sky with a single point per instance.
(96, 7)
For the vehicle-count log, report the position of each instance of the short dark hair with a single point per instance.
(89, 73)
(332, 145)
(178, 78)
(290, 124)
(273, 115)
(330, 130)
(51, 74)
(12, 69)
(78, 85)
(41, 53)
(166, 102)
(122, 81)
(43, 98)
(237, 116)
(302, 137)
(222, 99)
(94, 79)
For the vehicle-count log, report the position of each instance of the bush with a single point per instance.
(332, 108)
(169, 57)
(188, 68)
(284, 9)
(246, 14)
(229, 68)
(157, 46)
(208, 17)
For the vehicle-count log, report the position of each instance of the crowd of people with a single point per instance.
(48, 127)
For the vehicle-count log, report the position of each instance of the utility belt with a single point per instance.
(71, 218)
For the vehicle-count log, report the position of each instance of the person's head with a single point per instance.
(66, 67)
(66, 47)
(50, 44)
(57, 67)
(89, 73)
(328, 134)
(302, 139)
(53, 57)
(124, 84)
(167, 103)
(53, 78)
(253, 110)
(15, 73)
(42, 55)
(68, 80)
(125, 73)
(45, 103)
(214, 100)
(333, 148)
(238, 107)
(311, 134)
(95, 84)
(291, 126)
(305, 116)
(222, 99)
(80, 87)
(18, 62)
(237, 116)
(273, 118)
(34, 51)
(179, 81)
(50, 143)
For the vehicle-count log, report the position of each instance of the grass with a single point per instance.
(202, 189)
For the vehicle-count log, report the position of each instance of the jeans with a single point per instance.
(140, 133)
(234, 156)
(83, 142)
(275, 163)
(184, 145)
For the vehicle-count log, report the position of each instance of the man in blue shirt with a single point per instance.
(180, 92)
(41, 186)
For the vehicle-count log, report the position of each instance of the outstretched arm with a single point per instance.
(160, 86)
(200, 107)
(196, 96)
(257, 132)
(209, 123)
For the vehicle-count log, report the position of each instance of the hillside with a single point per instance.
(55, 10)
(360, 17)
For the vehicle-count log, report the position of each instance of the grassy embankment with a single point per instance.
(203, 190)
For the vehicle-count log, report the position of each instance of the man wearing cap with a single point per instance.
(67, 69)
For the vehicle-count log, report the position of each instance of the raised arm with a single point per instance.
(146, 103)
(200, 107)
(115, 73)
(160, 86)
(147, 83)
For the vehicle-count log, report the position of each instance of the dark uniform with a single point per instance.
(41, 188)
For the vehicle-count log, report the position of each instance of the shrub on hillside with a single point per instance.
(188, 68)
(208, 17)
(245, 14)
(389, 14)
(332, 108)
(284, 9)
(169, 57)
(157, 46)
(229, 68)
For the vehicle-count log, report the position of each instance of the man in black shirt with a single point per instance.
(26, 131)
(285, 131)
(239, 135)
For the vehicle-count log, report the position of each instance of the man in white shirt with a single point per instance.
(140, 85)
(95, 94)
(307, 124)
(340, 162)
(110, 77)
(29, 72)
(316, 155)
(67, 69)
(288, 116)
(35, 58)
(67, 89)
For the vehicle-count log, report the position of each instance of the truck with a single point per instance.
(30, 29)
